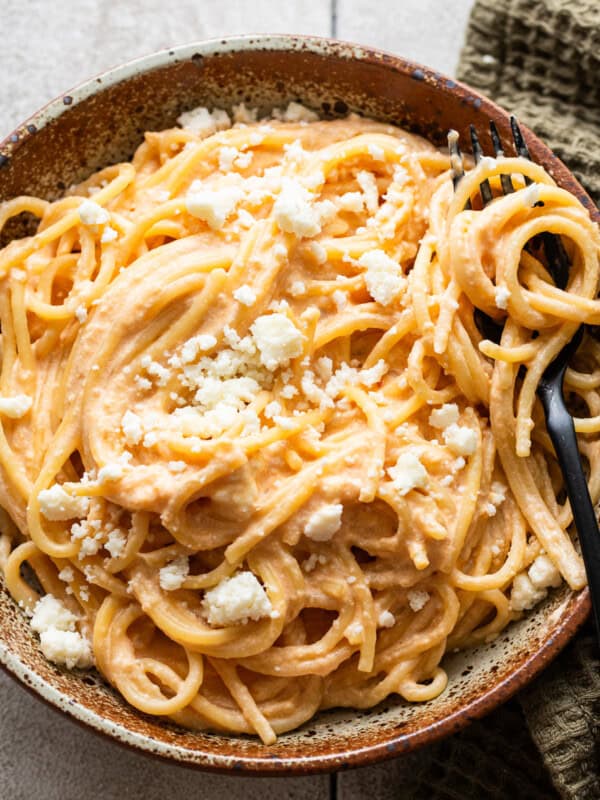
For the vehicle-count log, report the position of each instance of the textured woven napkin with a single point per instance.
(541, 60)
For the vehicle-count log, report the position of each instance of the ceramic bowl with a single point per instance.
(102, 121)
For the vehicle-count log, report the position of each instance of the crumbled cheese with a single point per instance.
(277, 339)
(318, 252)
(173, 575)
(445, 416)
(176, 466)
(115, 543)
(351, 201)
(67, 575)
(131, 425)
(524, 595)
(289, 391)
(59, 641)
(376, 152)
(418, 599)
(57, 505)
(51, 613)
(368, 184)
(295, 112)
(272, 409)
(212, 206)
(108, 235)
(243, 114)
(15, 407)
(66, 647)
(383, 277)
(227, 155)
(236, 600)
(461, 440)
(354, 632)
(542, 573)
(340, 299)
(90, 213)
(408, 473)
(81, 314)
(386, 620)
(142, 383)
(298, 288)
(324, 522)
(110, 472)
(295, 211)
(204, 123)
(191, 348)
(501, 296)
(245, 295)
(18, 275)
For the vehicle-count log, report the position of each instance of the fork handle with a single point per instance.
(561, 428)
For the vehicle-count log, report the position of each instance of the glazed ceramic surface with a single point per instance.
(102, 122)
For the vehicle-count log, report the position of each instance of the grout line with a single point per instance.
(334, 18)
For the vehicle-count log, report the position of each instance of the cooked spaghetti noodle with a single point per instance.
(254, 447)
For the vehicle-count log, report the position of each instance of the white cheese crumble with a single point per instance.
(542, 573)
(318, 252)
(277, 339)
(445, 416)
(295, 211)
(524, 595)
(214, 207)
(66, 647)
(340, 299)
(110, 472)
(236, 600)
(15, 407)
(200, 343)
(324, 523)
(383, 277)
(368, 184)
(352, 201)
(173, 574)
(67, 575)
(245, 295)
(81, 314)
(176, 466)
(51, 613)
(90, 213)
(376, 152)
(502, 296)
(295, 112)
(460, 439)
(418, 599)
(115, 543)
(57, 505)
(298, 288)
(408, 473)
(386, 620)
(108, 235)
(204, 123)
(59, 641)
(131, 425)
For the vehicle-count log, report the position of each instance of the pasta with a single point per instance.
(257, 459)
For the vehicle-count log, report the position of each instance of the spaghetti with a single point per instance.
(254, 448)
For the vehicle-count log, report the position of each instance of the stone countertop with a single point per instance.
(47, 48)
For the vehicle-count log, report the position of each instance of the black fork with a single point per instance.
(559, 421)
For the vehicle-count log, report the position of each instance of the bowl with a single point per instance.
(101, 122)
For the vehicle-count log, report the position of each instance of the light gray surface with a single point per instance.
(47, 48)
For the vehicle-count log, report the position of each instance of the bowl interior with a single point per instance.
(102, 122)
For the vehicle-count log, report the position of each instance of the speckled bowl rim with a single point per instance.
(578, 605)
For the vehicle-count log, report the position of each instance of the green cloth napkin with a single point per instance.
(541, 60)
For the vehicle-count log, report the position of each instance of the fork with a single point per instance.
(559, 421)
